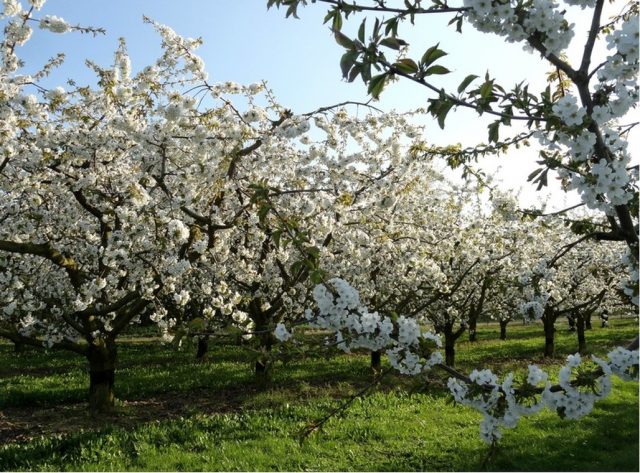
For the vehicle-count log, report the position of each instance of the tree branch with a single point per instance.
(46, 250)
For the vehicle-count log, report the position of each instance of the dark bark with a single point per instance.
(450, 338)
(102, 360)
(449, 354)
(376, 360)
(203, 348)
(582, 343)
(476, 309)
(18, 347)
(473, 323)
(587, 322)
(265, 340)
(503, 329)
(548, 321)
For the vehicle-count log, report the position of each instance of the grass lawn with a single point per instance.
(177, 414)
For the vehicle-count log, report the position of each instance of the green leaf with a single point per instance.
(467, 80)
(531, 176)
(263, 211)
(442, 114)
(486, 89)
(494, 131)
(365, 71)
(432, 54)
(458, 22)
(313, 252)
(361, 30)
(343, 40)
(355, 71)
(393, 42)
(376, 84)
(337, 21)
(293, 10)
(406, 65)
(436, 70)
(346, 63)
(317, 276)
(542, 179)
(276, 238)
(439, 108)
(391, 26)
(296, 267)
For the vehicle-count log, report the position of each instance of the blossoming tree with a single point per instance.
(581, 141)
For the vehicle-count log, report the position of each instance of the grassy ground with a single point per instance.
(176, 414)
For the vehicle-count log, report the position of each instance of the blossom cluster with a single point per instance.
(501, 408)
(517, 23)
(340, 310)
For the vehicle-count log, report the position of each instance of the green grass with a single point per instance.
(177, 414)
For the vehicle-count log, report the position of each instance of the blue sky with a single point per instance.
(245, 43)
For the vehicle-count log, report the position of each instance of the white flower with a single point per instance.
(37, 4)
(57, 94)
(178, 230)
(54, 24)
(11, 8)
(567, 109)
(282, 333)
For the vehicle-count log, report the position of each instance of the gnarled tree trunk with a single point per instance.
(450, 338)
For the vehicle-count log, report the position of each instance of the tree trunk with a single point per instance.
(582, 343)
(18, 347)
(503, 329)
(549, 335)
(449, 347)
(587, 322)
(376, 360)
(102, 360)
(265, 340)
(473, 323)
(476, 309)
(203, 348)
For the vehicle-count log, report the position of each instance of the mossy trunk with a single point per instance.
(376, 360)
(102, 361)
(203, 348)
(549, 335)
(503, 329)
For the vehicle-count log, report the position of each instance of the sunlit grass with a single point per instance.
(223, 421)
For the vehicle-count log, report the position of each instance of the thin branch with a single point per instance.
(317, 424)
(456, 101)
(342, 104)
(591, 40)
(381, 8)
